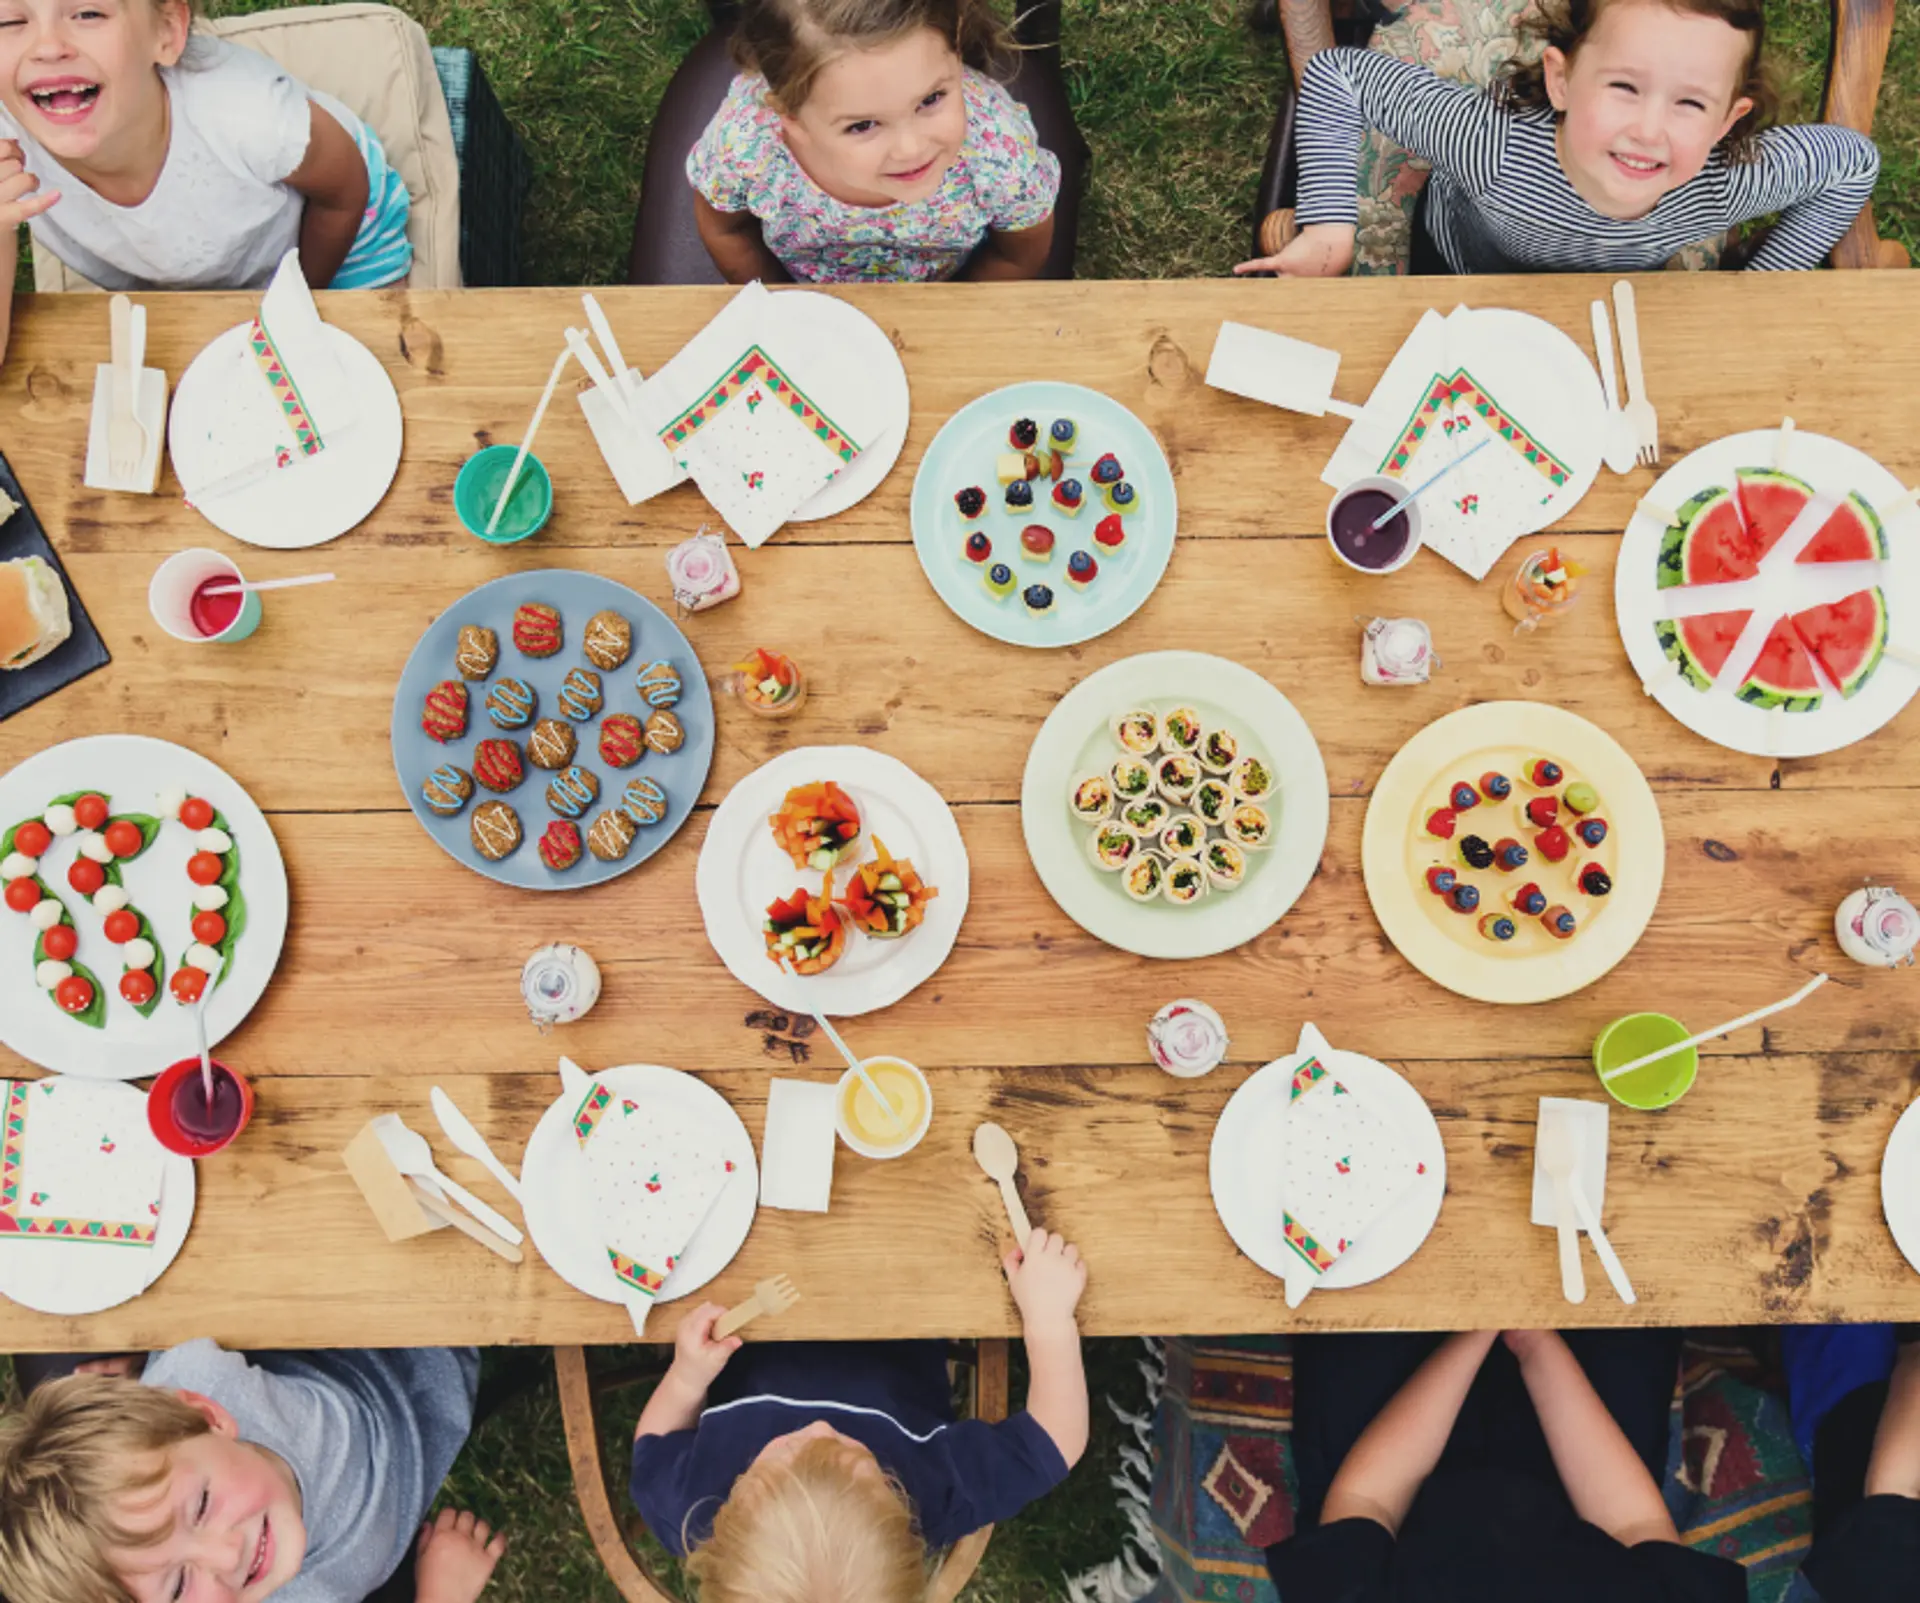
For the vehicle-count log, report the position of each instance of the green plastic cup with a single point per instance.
(1658, 1085)
(479, 485)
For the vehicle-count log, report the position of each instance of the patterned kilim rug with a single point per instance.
(1214, 1483)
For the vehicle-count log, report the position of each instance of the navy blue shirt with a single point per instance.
(892, 1397)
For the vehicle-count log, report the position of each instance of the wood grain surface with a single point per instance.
(1755, 1198)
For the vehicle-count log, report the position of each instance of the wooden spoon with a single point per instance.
(994, 1151)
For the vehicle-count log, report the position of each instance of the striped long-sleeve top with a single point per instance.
(1500, 202)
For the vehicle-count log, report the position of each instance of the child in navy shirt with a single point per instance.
(828, 1470)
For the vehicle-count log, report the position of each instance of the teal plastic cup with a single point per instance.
(1658, 1085)
(478, 487)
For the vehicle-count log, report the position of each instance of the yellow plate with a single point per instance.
(1445, 946)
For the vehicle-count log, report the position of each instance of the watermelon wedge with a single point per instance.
(1783, 676)
(1848, 638)
(1708, 543)
(1853, 534)
(1701, 645)
(1769, 502)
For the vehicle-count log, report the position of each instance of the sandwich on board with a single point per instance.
(33, 611)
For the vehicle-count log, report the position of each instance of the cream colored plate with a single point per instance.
(1395, 850)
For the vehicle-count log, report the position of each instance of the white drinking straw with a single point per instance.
(853, 1062)
(230, 587)
(526, 445)
(1421, 489)
(1728, 1028)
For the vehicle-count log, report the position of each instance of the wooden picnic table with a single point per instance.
(1754, 1199)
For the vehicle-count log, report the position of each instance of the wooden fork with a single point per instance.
(773, 1296)
(1640, 414)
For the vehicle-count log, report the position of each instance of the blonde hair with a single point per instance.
(787, 42)
(823, 1527)
(78, 1448)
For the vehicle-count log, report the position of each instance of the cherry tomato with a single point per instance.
(74, 994)
(60, 942)
(187, 983)
(33, 839)
(122, 925)
(137, 986)
(124, 838)
(195, 813)
(203, 868)
(86, 876)
(23, 895)
(209, 929)
(90, 811)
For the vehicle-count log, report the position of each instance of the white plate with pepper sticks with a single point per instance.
(577, 599)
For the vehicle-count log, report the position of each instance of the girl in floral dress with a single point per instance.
(865, 141)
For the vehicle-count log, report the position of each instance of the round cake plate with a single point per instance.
(577, 596)
(741, 870)
(131, 771)
(1421, 769)
(864, 342)
(1833, 468)
(963, 453)
(1075, 740)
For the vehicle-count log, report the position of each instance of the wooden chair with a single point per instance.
(601, 1496)
(1862, 30)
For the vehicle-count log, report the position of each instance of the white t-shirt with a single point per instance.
(221, 215)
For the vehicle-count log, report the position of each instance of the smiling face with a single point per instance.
(1643, 101)
(880, 126)
(78, 75)
(231, 1514)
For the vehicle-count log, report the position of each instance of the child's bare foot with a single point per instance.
(456, 1558)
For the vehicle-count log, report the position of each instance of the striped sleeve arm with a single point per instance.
(1817, 177)
(1450, 126)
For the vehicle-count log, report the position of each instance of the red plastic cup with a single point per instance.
(178, 1115)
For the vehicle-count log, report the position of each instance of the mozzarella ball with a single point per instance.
(44, 913)
(51, 973)
(137, 953)
(209, 898)
(110, 899)
(59, 818)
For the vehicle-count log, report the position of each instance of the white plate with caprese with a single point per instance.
(122, 856)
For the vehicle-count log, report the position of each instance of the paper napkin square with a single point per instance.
(655, 1176)
(77, 1163)
(1343, 1166)
(1274, 368)
(283, 397)
(1589, 1120)
(796, 1155)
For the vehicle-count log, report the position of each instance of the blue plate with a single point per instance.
(577, 596)
(964, 453)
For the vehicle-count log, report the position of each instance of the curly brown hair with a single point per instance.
(788, 41)
(1567, 24)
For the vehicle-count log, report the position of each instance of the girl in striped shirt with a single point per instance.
(1640, 131)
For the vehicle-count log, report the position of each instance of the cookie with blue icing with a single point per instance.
(447, 789)
(645, 802)
(580, 694)
(659, 684)
(510, 704)
(573, 792)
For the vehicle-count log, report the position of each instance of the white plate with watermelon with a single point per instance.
(1775, 611)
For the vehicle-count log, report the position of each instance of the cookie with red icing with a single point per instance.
(560, 846)
(621, 740)
(497, 765)
(536, 629)
(445, 715)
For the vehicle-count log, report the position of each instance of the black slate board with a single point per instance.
(82, 651)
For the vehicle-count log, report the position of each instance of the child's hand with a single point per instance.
(1320, 250)
(1523, 1344)
(697, 1357)
(18, 201)
(455, 1558)
(1046, 1280)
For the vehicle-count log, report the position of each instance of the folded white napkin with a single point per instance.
(1275, 368)
(1589, 1121)
(762, 408)
(282, 397)
(796, 1155)
(655, 1176)
(79, 1164)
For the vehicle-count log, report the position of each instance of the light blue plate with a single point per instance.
(964, 453)
(577, 596)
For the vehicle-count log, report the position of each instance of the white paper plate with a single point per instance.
(1075, 740)
(313, 501)
(1900, 1184)
(1833, 468)
(72, 1278)
(559, 1195)
(741, 870)
(863, 341)
(132, 771)
(1246, 1173)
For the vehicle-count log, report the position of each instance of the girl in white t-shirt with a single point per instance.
(144, 158)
